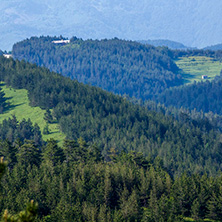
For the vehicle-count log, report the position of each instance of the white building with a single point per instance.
(62, 41)
(7, 56)
(204, 76)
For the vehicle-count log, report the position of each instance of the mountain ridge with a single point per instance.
(122, 19)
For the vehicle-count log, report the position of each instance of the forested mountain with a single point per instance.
(112, 122)
(165, 42)
(122, 67)
(202, 96)
(214, 47)
(175, 54)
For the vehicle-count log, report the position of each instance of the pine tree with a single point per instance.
(53, 153)
(27, 215)
(195, 210)
(8, 151)
(48, 116)
(29, 153)
(3, 103)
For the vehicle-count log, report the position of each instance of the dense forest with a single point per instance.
(120, 161)
(112, 122)
(74, 183)
(202, 96)
(122, 67)
(175, 54)
(14, 131)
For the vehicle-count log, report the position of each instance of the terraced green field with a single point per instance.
(187, 219)
(19, 102)
(193, 67)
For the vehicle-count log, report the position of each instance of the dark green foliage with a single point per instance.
(53, 153)
(174, 54)
(8, 151)
(96, 190)
(202, 96)
(111, 121)
(12, 130)
(2, 167)
(3, 103)
(28, 154)
(27, 215)
(122, 67)
(46, 129)
(48, 116)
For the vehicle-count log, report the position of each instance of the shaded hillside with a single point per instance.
(113, 122)
(122, 67)
(214, 47)
(202, 96)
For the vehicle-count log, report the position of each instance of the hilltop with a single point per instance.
(164, 42)
(214, 47)
(119, 66)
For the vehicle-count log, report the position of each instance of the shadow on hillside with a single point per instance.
(10, 107)
(187, 78)
(54, 132)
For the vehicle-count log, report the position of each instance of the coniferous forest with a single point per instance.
(119, 66)
(120, 161)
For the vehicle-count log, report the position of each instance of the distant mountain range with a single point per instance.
(214, 47)
(164, 42)
(194, 23)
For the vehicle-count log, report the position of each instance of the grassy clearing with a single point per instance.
(187, 219)
(193, 67)
(18, 99)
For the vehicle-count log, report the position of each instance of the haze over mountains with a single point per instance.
(193, 23)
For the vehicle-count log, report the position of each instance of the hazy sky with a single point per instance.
(191, 22)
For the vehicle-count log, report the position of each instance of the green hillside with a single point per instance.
(193, 67)
(112, 122)
(19, 106)
(118, 66)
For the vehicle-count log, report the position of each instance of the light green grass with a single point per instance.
(188, 219)
(193, 67)
(19, 102)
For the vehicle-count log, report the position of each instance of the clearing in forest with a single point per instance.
(193, 67)
(19, 106)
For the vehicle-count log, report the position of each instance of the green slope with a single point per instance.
(193, 67)
(19, 106)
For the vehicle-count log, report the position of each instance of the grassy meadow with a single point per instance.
(193, 67)
(19, 106)
(187, 219)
